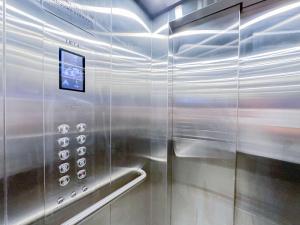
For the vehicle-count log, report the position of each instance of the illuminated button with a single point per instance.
(81, 151)
(63, 128)
(81, 162)
(84, 188)
(81, 127)
(63, 142)
(73, 194)
(81, 139)
(63, 181)
(63, 168)
(81, 174)
(63, 155)
(60, 200)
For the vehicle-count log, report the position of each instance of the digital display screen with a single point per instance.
(71, 71)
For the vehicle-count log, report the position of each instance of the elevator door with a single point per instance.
(205, 71)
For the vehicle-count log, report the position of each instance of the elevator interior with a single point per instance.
(135, 112)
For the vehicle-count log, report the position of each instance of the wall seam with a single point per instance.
(4, 109)
(237, 119)
(44, 127)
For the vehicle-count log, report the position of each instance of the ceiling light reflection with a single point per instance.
(270, 14)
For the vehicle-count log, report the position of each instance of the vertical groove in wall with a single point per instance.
(237, 120)
(110, 100)
(170, 120)
(43, 99)
(168, 218)
(4, 107)
(151, 124)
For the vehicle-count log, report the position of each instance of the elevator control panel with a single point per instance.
(72, 158)
(70, 123)
(71, 71)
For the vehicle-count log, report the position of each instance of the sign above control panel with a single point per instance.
(71, 71)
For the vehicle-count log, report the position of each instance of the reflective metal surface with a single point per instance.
(268, 163)
(2, 167)
(268, 107)
(90, 108)
(24, 154)
(130, 108)
(160, 133)
(205, 72)
(107, 199)
(65, 148)
(165, 103)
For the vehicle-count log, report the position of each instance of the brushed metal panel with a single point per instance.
(130, 106)
(72, 108)
(268, 191)
(205, 71)
(159, 125)
(2, 162)
(91, 107)
(100, 218)
(24, 158)
(268, 160)
(268, 105)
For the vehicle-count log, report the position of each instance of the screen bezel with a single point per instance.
(61, 50)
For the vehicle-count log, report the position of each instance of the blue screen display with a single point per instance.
(71, 71)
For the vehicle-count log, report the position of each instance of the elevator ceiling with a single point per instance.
(156, 7)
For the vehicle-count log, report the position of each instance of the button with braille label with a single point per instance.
(63, 181)
(64, 154)
(81, 139)
(63, 142)
(81, 162)
(63, 168)
(81, 127)
(63, 128)
(81, 150)
(81, 174)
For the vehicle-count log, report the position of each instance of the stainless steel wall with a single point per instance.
(205, 75)
(116, 39)
(24, 150)
(130, 106)
(268, 190)
(91, 38)
(161, 121)
(2, 167)
(267, 159)
(220, 73)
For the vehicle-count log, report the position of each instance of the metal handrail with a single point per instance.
(106, 200)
